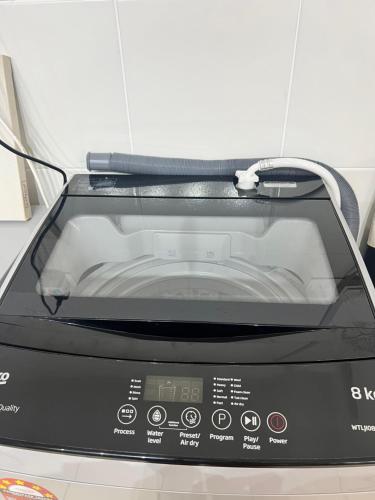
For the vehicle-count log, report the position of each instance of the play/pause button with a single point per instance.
(250, 421)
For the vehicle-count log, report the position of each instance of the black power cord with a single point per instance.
(36, 160)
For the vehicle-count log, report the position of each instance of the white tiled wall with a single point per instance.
(198, 78)
(207, 78)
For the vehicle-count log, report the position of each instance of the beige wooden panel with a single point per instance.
(14, 195)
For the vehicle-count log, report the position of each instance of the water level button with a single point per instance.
(250, 421)
(277, 422)
(157, 415)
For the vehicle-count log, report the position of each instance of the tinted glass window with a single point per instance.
(283, 262)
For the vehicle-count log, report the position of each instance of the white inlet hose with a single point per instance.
(247, 179)
(21, 147)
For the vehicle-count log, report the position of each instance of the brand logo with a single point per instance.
(4, 377)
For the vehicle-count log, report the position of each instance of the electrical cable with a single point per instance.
(51, 220)
(31, 166)
(27, 156)
(35, 160)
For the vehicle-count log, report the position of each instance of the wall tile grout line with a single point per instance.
(291, 78)
(123, 73)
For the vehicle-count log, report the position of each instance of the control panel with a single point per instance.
(190, 412)
(277, 414)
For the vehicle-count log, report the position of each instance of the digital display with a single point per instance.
(173, 389)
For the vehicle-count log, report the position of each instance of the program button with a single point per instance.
(221, 419)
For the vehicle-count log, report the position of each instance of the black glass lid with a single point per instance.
(164, 256)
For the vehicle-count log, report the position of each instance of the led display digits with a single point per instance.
(173, 389)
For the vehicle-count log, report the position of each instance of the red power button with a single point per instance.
(277, 422)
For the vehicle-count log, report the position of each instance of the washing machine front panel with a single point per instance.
(317, 413)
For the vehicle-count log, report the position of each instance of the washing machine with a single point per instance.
(175, 338)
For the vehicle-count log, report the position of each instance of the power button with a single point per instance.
(277, 422)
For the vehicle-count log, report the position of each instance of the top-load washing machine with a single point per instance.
(174, 338)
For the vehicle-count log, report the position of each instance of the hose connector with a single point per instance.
(265, 164)
(247, 179)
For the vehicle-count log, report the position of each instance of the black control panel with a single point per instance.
(204, 414)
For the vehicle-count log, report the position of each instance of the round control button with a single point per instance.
(221, 419)
(277, 422)
(191, 417)
(157, 415)
(126, 414)
(250, 421)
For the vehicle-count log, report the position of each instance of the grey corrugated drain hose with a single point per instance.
(153, 165)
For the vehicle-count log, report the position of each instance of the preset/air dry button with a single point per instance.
(191, 417)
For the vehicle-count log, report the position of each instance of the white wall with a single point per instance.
(197, 78)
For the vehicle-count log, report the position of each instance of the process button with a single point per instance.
(250, 421)
(191, 417)
(277, 422)
(126, 414)
(221, 419)
(157, 415)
